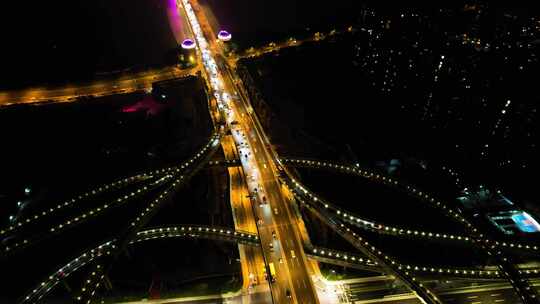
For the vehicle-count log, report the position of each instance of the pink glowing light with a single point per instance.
(175, 21)
(147, 104)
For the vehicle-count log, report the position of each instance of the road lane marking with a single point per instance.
(499, 300)
(495, 294)
(472, 297)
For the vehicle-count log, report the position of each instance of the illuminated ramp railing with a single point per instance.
(387, 263)
(272, 47)
(382, 179)
(22, 241)
(342, 258)
(163, 232)
(333, 256)
(75, 201)
(526, 292)
(104, 264)
(378, 227)
(320, 254)
(368, 224)
(198, 231)
(15, 239)
(224, 163)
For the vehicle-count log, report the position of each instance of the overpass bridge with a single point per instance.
(507, 268)
(379, 227)
(319, 254)
(226, 234)
(163, 232)
(127, 83)
(18, 240)
(257, 169)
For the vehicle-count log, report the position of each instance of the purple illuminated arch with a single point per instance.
(224, 35)
(188, 44)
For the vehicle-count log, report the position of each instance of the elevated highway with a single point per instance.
(70, 93)
(164, 232)
(278, 229)
(506, 267)
(104, 264)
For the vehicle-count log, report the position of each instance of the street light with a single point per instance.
(188, 44)
(224, 35)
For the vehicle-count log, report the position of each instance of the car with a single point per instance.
(264, 198)
(292, 254)
(280, 260)
(274, 234)
(264, 271)
(271, 246)
(288, 294)
(276, 211)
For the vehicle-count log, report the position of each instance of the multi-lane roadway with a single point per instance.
(381, 290)
(278, 231)
(69, 93)
(251, 258)
(260, 204)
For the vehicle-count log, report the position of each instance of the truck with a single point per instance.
(272, 272)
